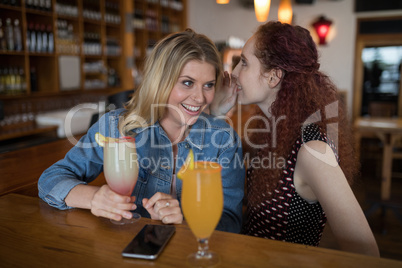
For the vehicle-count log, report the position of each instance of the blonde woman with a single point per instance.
(166, 117)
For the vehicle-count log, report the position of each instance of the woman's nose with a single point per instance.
(236, 70)
(198, 95)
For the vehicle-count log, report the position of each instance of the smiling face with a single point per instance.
(193, 91)
(253, 85)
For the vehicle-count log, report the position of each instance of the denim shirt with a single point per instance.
(211, 139)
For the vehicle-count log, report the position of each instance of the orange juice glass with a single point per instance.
(202, 204)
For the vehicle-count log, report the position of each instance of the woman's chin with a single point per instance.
(191, 121)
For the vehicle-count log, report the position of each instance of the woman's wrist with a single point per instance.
(215, 110)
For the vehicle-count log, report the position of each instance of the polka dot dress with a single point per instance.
(284, 215)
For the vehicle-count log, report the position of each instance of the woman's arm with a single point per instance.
(64, 184)
(81, 165)
(320, 177)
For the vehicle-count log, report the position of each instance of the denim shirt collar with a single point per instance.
(195, 137)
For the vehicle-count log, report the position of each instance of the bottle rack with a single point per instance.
(154, 19)
(103, 36)
(100, 36)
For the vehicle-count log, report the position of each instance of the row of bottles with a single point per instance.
(112, 12)
(66, 8)
(68, 41)
(92, 43)
(10, 35)
(91, 10)
(12, 80)
(44, 5)
(10, 2)
(149, 21)
(40, 38)
(113, 47)
(97, 68)
(173, 4)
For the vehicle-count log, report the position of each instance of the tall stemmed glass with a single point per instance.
(120, 166)
(202, 204)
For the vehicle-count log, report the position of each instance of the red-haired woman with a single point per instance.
(301, 164)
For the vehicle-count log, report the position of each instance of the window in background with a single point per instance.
(381, 80)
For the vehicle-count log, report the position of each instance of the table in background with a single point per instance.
(389, 131)
(33, 234)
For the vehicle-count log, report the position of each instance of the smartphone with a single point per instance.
(149, 242)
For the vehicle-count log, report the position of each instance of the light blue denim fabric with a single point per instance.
(210, 139)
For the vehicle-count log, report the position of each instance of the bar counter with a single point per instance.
(33, 234)
(21, 169)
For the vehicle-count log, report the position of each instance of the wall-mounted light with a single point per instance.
(285, 12)
(222, 2)
(261, 8)
(322, 27)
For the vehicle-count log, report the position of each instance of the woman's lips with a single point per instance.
(193, 110)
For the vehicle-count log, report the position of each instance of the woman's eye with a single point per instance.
(188, 83)
(243, 62)
(209, 85)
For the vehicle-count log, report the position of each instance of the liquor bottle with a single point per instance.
(44, 38)
(7, 81)
(42, 5)
(111, 79)
(3, 42)
(17, 35)
(23, 80)
(34, 80)
(17, 85)
(48, 5)
(9, 35)
(11, 86)
(27, 39)
(2, 84)
(35, 4)
(38, 38)
(33, 37)
(50, 46)
(29, 3)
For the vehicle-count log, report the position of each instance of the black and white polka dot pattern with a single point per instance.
(284, 215)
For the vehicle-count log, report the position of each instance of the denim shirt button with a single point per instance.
(187, 146)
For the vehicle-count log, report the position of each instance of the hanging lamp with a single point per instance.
(261, 8)
(222, 2)
(322, 26)
(285, 12)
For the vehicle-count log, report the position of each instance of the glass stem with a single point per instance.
(203, 247)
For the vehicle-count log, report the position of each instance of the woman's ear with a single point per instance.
(274, 77)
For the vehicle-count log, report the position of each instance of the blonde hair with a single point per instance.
(161, 72)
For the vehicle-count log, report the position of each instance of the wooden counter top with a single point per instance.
(33, 234)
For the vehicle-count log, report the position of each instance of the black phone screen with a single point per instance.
(149, 242)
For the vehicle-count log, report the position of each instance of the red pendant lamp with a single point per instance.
(322, 27)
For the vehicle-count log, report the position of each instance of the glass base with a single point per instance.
(123, 221)
(207, 259)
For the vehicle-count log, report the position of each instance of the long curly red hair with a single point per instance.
(304, 91)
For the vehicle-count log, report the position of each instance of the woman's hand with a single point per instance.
(109, 204)
(225, 98)
(163, 207)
